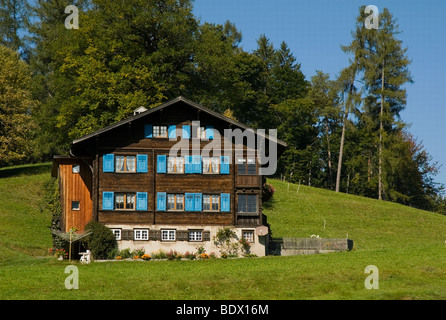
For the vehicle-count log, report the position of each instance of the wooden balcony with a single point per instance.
(248, 219)
(248, 181)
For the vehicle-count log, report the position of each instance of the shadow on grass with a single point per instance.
(29, 169)
(269, 204)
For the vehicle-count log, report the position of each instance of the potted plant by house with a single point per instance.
(60, 254)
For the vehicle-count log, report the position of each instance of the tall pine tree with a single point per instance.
(385, 74)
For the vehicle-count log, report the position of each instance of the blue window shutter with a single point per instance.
(108, 163)
(161, 163)
(188, 164)
(189, 203)
(172, 131)
(148, 130)
(224, 165)
(141, 201)
(209, 132)
(225, 202)
(198, 202)
(196, 160)
(107, 200)
(161, 201)
(141, 163)
(186, 132)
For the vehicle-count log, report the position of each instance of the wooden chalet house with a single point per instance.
(125, 177)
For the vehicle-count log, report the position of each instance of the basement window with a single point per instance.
(141, 234)
(248, 235)
(117, 233)
(168, 235)
(195, 235)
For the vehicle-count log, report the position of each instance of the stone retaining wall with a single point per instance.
(297, 246)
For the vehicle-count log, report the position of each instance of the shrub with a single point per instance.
(190, 255)
(139, 252)
(101, 241)
(267, 191)
(160, 254)
(226, 242)
(50, 205)
(58, 253)
(200, 250)
(174, 255)
(245, 246)
(125, 253)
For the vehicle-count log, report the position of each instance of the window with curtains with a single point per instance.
(211, 202)
(125, 163)
(193, 202)
(175, 165)
(159, 131)
(248, 235)
(211, 165)
(175, 202)
(125, 201)
(199, 133)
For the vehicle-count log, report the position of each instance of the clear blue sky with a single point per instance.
(315, 29)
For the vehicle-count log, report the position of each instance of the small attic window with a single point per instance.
(76, 168)
(139, 110)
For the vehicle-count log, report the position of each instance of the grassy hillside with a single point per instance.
(23, 228)
(372, 224)
(407, 245)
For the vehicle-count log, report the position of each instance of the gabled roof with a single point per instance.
(163, 106)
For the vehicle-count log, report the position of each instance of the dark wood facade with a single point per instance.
(147, 187)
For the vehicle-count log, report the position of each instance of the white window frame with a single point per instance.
(141, 234)
(168, 235)
(195, 235)
(160, 132)
(117, 233)
(248, 235)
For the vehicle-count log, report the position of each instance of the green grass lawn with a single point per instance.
(407, 245)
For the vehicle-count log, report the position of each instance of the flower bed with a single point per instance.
(140, 255)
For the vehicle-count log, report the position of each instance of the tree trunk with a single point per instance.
(381, 127)
(330, 175)
(341, 148)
